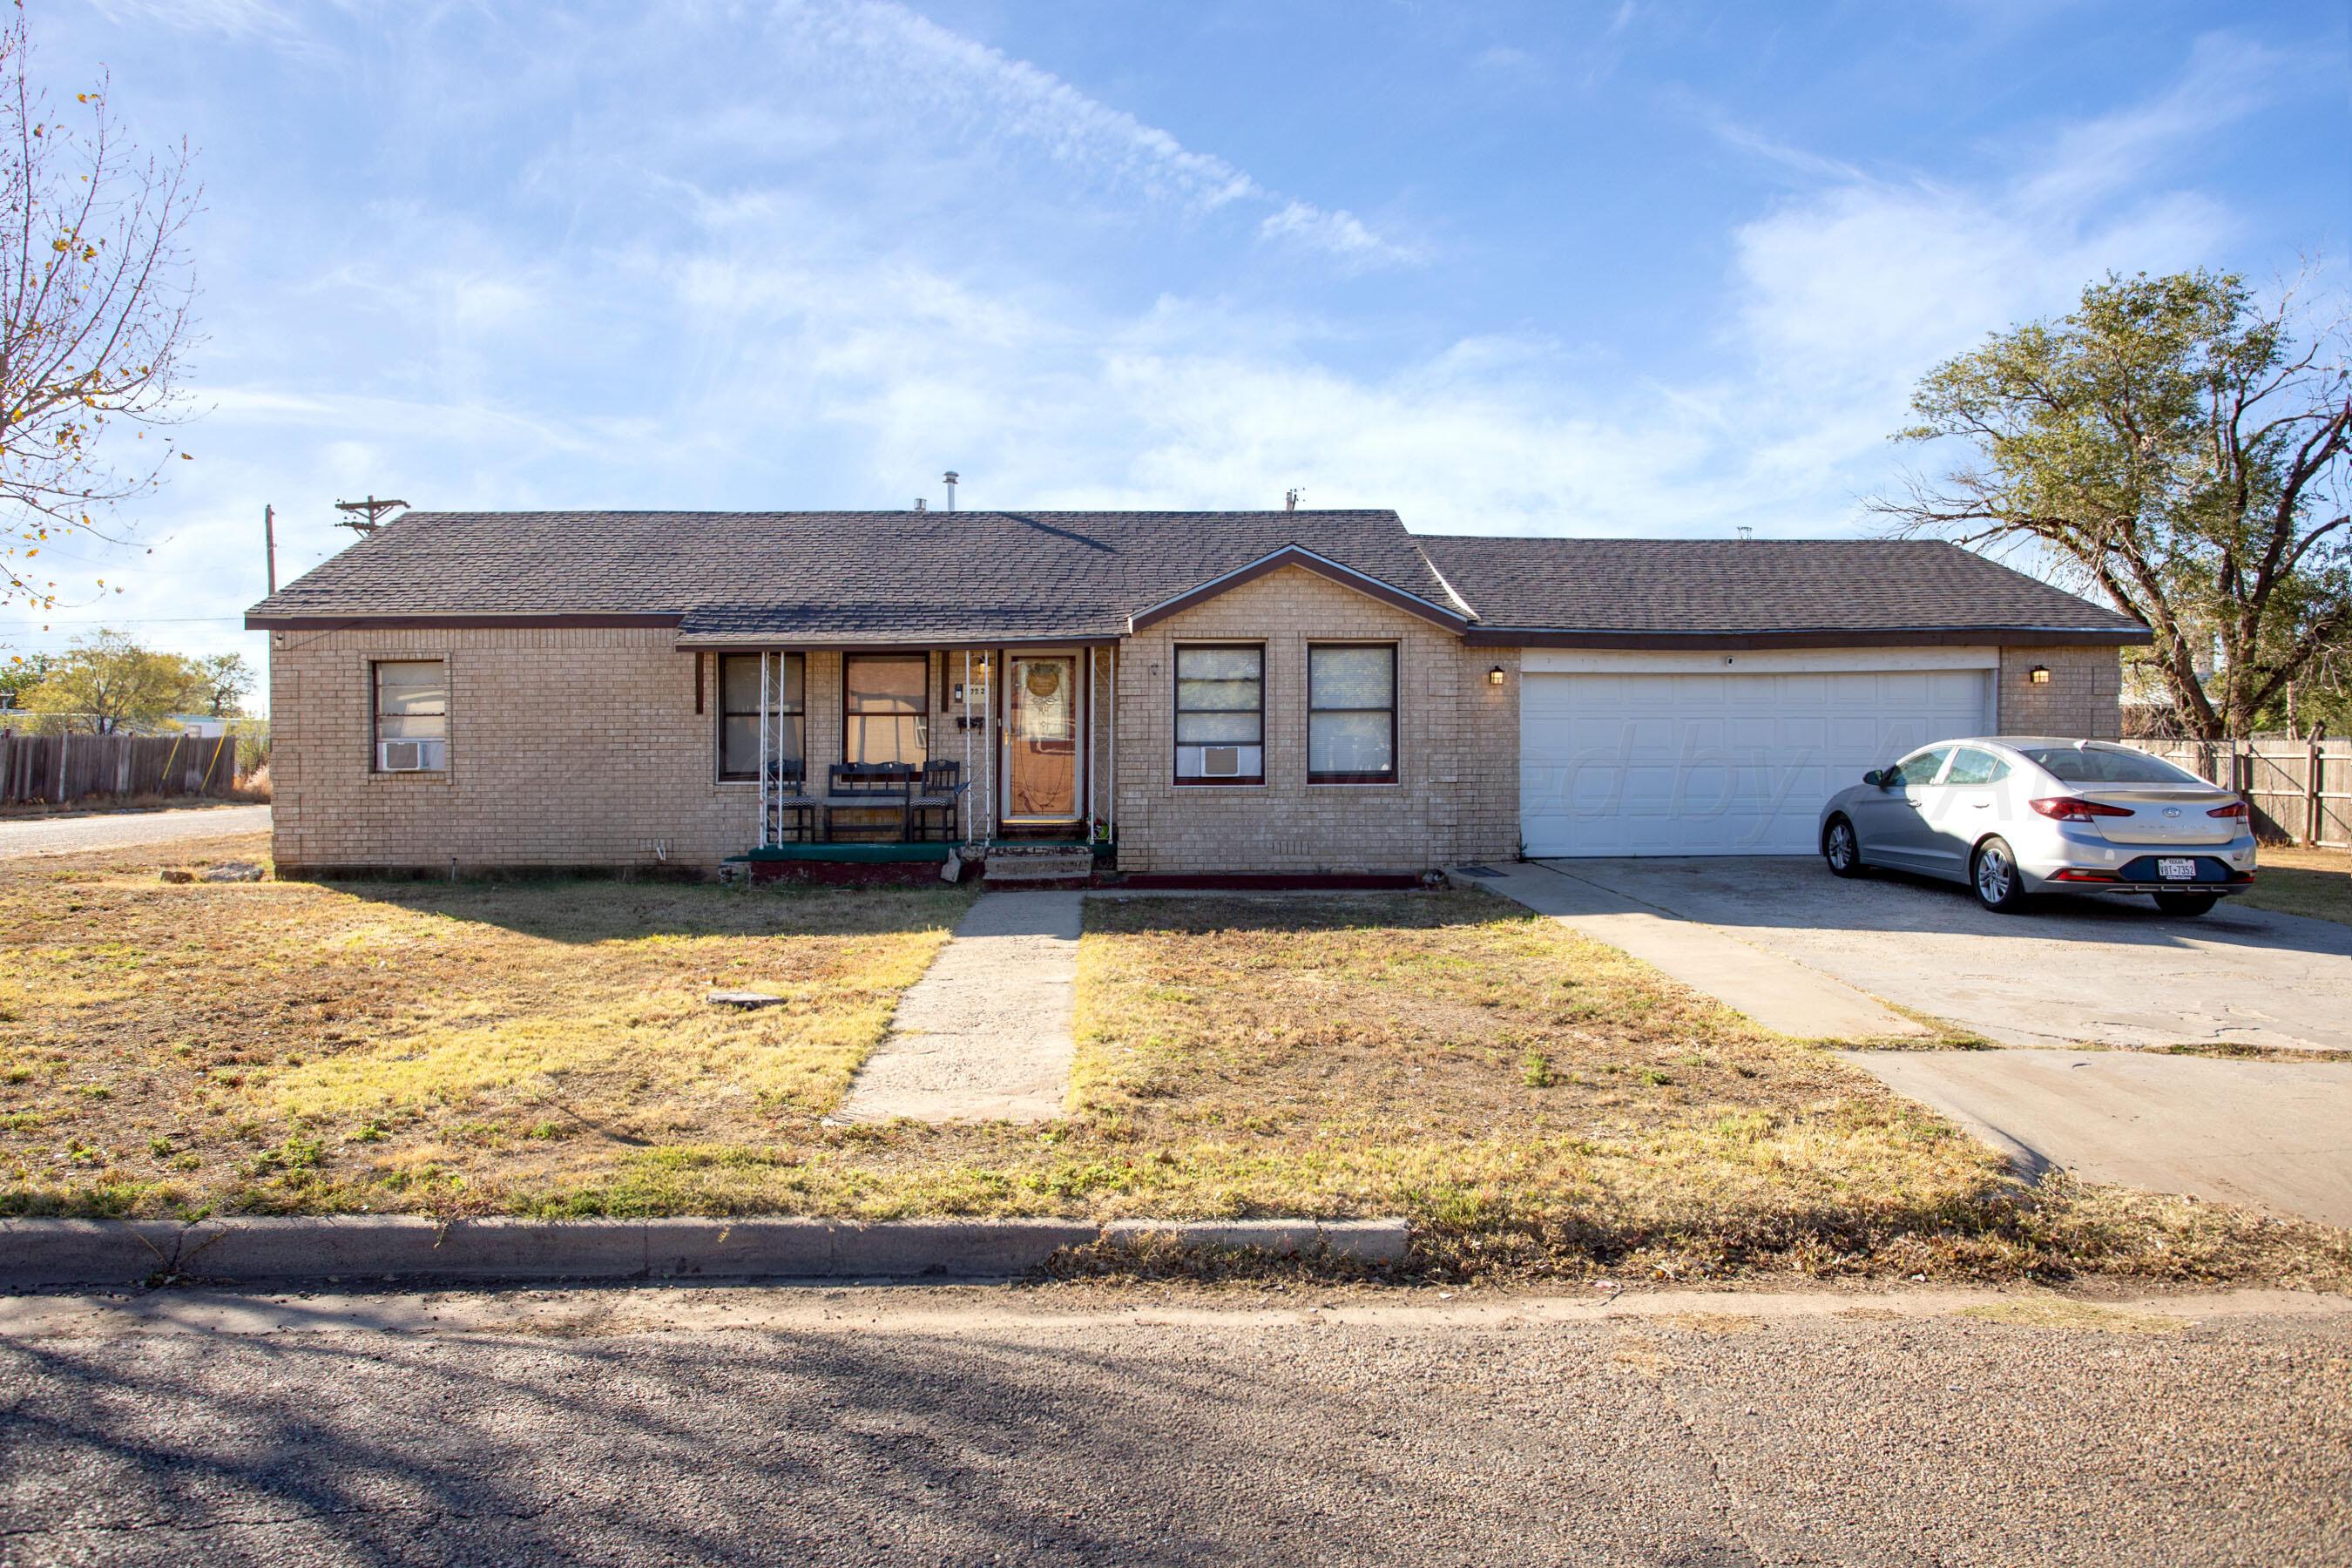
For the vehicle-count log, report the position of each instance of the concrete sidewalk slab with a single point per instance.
(986, 1033)
(2274, 1135)
(1780, 994)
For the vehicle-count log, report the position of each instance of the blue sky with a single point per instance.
(1626, 268)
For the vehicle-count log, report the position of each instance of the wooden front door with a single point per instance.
(1042, 726)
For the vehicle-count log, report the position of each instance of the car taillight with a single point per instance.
(2235, 808)
(2066, 808)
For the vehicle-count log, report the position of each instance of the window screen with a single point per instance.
(739, 713)
(1350, 714)
(1221, 715)
(884, 702)
(411, 704)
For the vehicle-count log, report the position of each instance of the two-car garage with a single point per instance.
(1689, 753)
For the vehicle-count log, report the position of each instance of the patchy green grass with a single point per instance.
(2313, 882)
(1537, 1103)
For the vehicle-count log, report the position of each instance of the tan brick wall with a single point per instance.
(567, 747)
(1456, 795)
(2081, 701)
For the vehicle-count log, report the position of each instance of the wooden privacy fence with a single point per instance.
(62, 769)
(2300, 791)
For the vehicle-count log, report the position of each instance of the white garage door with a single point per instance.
(1706, 763)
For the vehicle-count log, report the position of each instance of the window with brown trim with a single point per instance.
(885, 708)
(409, 712)
(739, 713)
(1220, 715)
(1352, 729)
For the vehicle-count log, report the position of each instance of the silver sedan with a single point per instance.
(2014, 817)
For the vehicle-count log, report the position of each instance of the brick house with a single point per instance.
(1288, 692)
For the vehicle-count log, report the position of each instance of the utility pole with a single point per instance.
(366, 516)
(270, 542)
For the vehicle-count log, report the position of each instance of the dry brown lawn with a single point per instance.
(1537, 1103)
(2315, 882)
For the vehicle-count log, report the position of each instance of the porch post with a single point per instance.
(1111, 816)
(1092, 720)
(761, 754)
(971, 806)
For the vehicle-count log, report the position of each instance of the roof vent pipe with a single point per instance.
(951, 485)
(922, 505)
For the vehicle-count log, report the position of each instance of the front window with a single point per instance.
(1351, 713)
(739, 713)
(1221, 715)
(2102, 764)
(884, 697)
(411, 715)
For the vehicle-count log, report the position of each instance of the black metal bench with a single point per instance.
(871, 786)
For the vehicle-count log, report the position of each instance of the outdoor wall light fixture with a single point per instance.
(2038, 675)
(1494, 676)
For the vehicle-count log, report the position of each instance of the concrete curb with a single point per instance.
(39, 1254)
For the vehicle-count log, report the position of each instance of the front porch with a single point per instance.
(854, 759)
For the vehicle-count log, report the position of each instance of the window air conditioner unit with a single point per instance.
(1221, 762)
(400, 756)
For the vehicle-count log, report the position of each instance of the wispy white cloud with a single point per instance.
(927, 69)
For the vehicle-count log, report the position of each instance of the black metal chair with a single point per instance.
(790, 804)
(935, 797)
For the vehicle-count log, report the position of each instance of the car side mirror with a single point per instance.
(1875, 777)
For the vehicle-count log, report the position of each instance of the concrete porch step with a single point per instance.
(1038, 865)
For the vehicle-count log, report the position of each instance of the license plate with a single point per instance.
(2177, 870)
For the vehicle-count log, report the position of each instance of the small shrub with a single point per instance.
(1536, 1071)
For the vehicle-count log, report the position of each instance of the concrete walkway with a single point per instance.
(986, 1034)
(2274, 1135)
(1778, 993)
(106, 830)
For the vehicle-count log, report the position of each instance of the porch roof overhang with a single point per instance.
(1307, 561)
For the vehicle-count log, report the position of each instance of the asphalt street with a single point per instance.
(986, 1425)
(21, 837)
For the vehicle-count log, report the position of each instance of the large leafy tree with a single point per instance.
(107, 682)
(2181, 449)
(94, 291)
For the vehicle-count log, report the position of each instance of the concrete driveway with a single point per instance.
(2070, 972)
(2274, 1135)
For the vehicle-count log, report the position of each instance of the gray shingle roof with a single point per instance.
(948, 577)
(832, 576)
(1669, 586)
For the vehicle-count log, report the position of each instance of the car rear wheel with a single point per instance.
(2185, 903)
(1993, 873)
(1841, 848)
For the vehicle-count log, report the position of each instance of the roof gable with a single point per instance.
(1306, 560)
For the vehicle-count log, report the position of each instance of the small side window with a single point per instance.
(411, 717)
